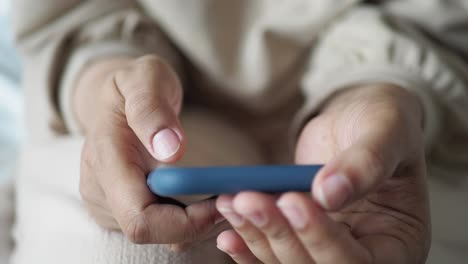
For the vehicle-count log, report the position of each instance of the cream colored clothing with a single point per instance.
(270, 61)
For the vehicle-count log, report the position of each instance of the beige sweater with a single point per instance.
(270, 61)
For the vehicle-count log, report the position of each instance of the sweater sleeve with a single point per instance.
(57, 38)
(375, 44)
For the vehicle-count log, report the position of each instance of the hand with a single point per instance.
(129, 111)
(369, 201)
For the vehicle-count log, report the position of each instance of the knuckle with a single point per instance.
(320, 245)
(114, 82)
(140, 75)
(190, 231)
(255, 241)
(320, 240)
(143, 115)
(281, 234)
(84, 189)
(118, 77)
(373, 160)
(368, 169)
(142, 102)
(148, 64)
(92, 160)
(137, 230)
(87, 156)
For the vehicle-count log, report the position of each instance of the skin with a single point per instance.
(122, 105)
(370, 136)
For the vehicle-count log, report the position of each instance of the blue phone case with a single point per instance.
(219, 180)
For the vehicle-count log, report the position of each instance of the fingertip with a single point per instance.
(351, 175)
(224, 202)
(300, 210)
(225, 240)
(295, 199)
(292, 197)
(333, 192)
(247, 202)
(317, 192)
(167, 145)
(231, 243)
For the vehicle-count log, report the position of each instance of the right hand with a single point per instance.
(128, 110)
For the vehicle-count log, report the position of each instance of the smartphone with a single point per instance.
(172, 181)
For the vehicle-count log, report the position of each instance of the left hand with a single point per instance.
(369, 201)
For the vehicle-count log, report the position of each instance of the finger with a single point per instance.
(133, 205)
(153, 95)
(354, 172)
(262, 212)
(220, 226)
(254, 239)
(232, 244)
(326, 241)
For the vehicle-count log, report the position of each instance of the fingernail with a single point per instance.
(295, 217)
(165, 144)
(224, 250)
(233, 218)
(334, 192)
(257, 219)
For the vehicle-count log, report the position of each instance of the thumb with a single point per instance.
(356, 171)
(153, 96)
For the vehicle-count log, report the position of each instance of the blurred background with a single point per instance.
(11, 128)
(10, 97)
